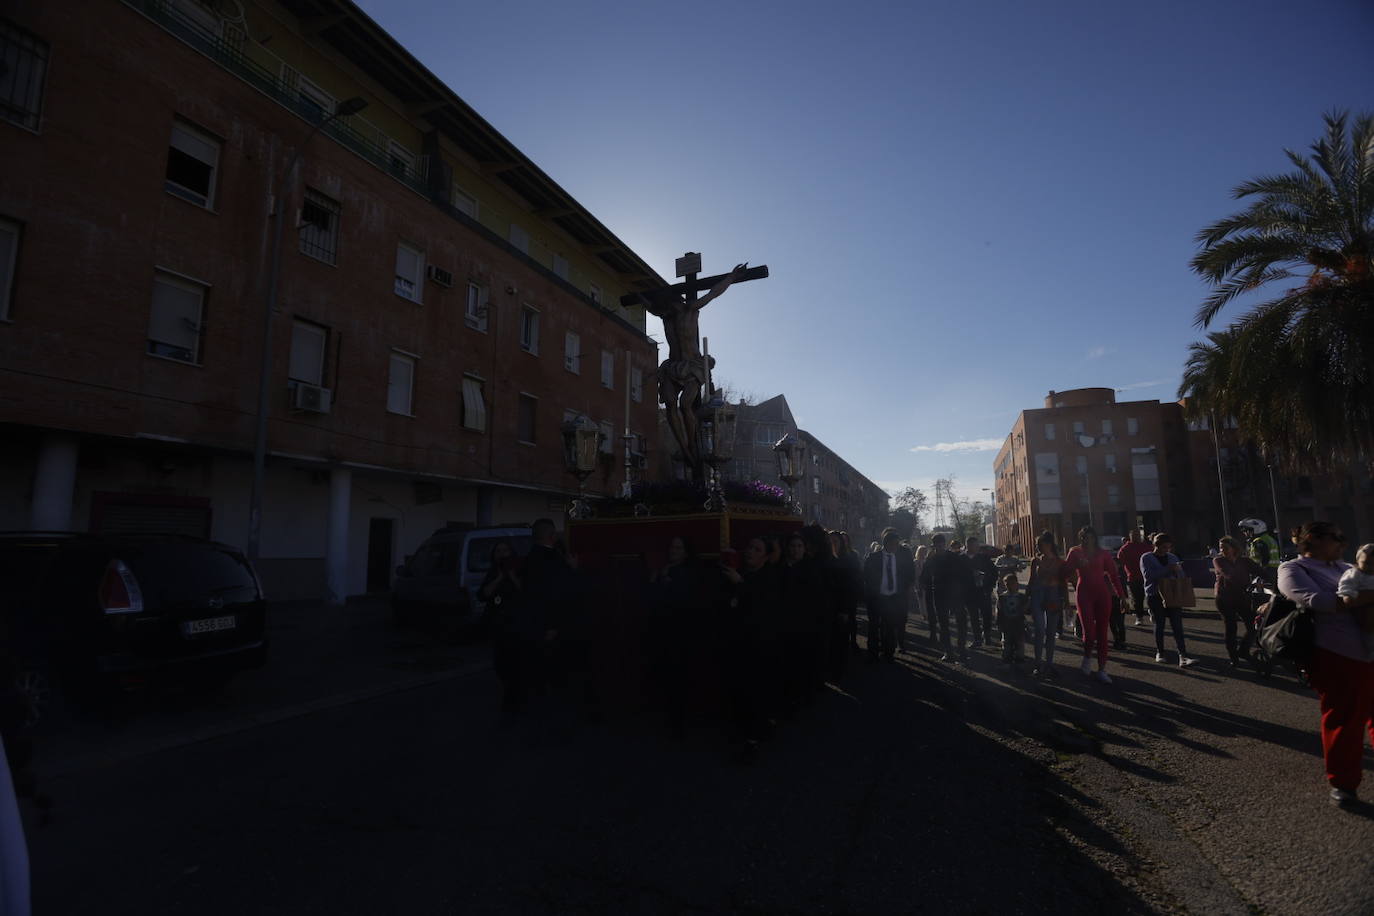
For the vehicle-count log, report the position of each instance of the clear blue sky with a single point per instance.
(963, 204)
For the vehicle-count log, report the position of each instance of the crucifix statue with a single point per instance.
(685, 376)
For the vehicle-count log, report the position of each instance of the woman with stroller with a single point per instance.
(1234, 571)
(1341, 671)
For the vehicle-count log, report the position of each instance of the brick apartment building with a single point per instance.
(838, 496)
(443, 304)
(1085, 458)
(834, 494)
(1254, 489)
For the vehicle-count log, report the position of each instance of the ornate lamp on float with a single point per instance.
(716, 445)
(791, 454)
(581, 451)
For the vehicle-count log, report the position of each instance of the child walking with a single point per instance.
(1011, 617)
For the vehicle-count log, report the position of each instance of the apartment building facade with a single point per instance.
(1249, 487)
(837, 496)
(1085, 458)
(442, 305)
(833, 494)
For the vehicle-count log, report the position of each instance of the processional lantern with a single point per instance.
(791, 454)
(581, 451)
(716, 444)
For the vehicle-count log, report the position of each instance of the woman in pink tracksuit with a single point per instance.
(1095, 568)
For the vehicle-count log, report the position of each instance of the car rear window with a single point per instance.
(23, 566)
(479, 550)
(190, 572)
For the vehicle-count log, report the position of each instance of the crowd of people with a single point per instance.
(781, 616)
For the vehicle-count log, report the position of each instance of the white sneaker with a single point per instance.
(1104, 677)
(1087, 666)
(1159, 656)
(1184, 661)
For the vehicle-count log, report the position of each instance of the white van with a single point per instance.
(440, 582)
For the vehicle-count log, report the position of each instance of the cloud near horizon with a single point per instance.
(1135, 386)
(1099, 352)
(968, 445)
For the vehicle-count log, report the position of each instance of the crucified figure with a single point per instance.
(682, 378)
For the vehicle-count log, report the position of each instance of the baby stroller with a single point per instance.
(1292, 641)
(1261, 599)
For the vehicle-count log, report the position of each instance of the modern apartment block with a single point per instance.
(1085, 458)
(838, 496)
(833, 494)
(441, 304)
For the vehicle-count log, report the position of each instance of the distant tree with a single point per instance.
(915, 504)
(904, 522)
(733, 395)
(1296, 371)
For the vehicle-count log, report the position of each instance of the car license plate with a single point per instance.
(208, 625)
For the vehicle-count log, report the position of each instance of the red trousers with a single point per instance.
(1095, 616)
(1346, 689)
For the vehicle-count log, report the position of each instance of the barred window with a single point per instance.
(320, 227)
(23, 65)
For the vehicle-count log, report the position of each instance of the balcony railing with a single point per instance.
(234, 55)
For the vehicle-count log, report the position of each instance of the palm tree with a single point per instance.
(1297, 371)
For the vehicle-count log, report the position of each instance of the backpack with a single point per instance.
(1288, 632)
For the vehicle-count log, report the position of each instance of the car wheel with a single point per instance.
(35, 690)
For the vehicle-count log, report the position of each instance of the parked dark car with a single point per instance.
(94, 612)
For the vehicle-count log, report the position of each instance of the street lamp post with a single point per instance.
(279, 206)
(1221, 478)
(716, 445)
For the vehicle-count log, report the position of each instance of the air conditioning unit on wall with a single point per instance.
(440, 276)
(311, 398)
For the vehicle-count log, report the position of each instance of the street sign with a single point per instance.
(689, 263)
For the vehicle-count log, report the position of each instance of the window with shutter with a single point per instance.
(192, 161)
(400, 383)
(572, 353)
(607, 369)
(23, 67)
(410, 269)
(474, 404)
(9, 258)
(308, 345)
(175, 324)
(525, 419)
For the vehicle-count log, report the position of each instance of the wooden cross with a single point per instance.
(691, 284)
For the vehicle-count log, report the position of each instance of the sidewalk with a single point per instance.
(321, 656)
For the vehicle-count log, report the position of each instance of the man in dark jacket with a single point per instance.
(946, 580)
(531, 625)
(980, 600)
(888, 577)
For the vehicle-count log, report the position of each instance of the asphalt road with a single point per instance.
(917, 787)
